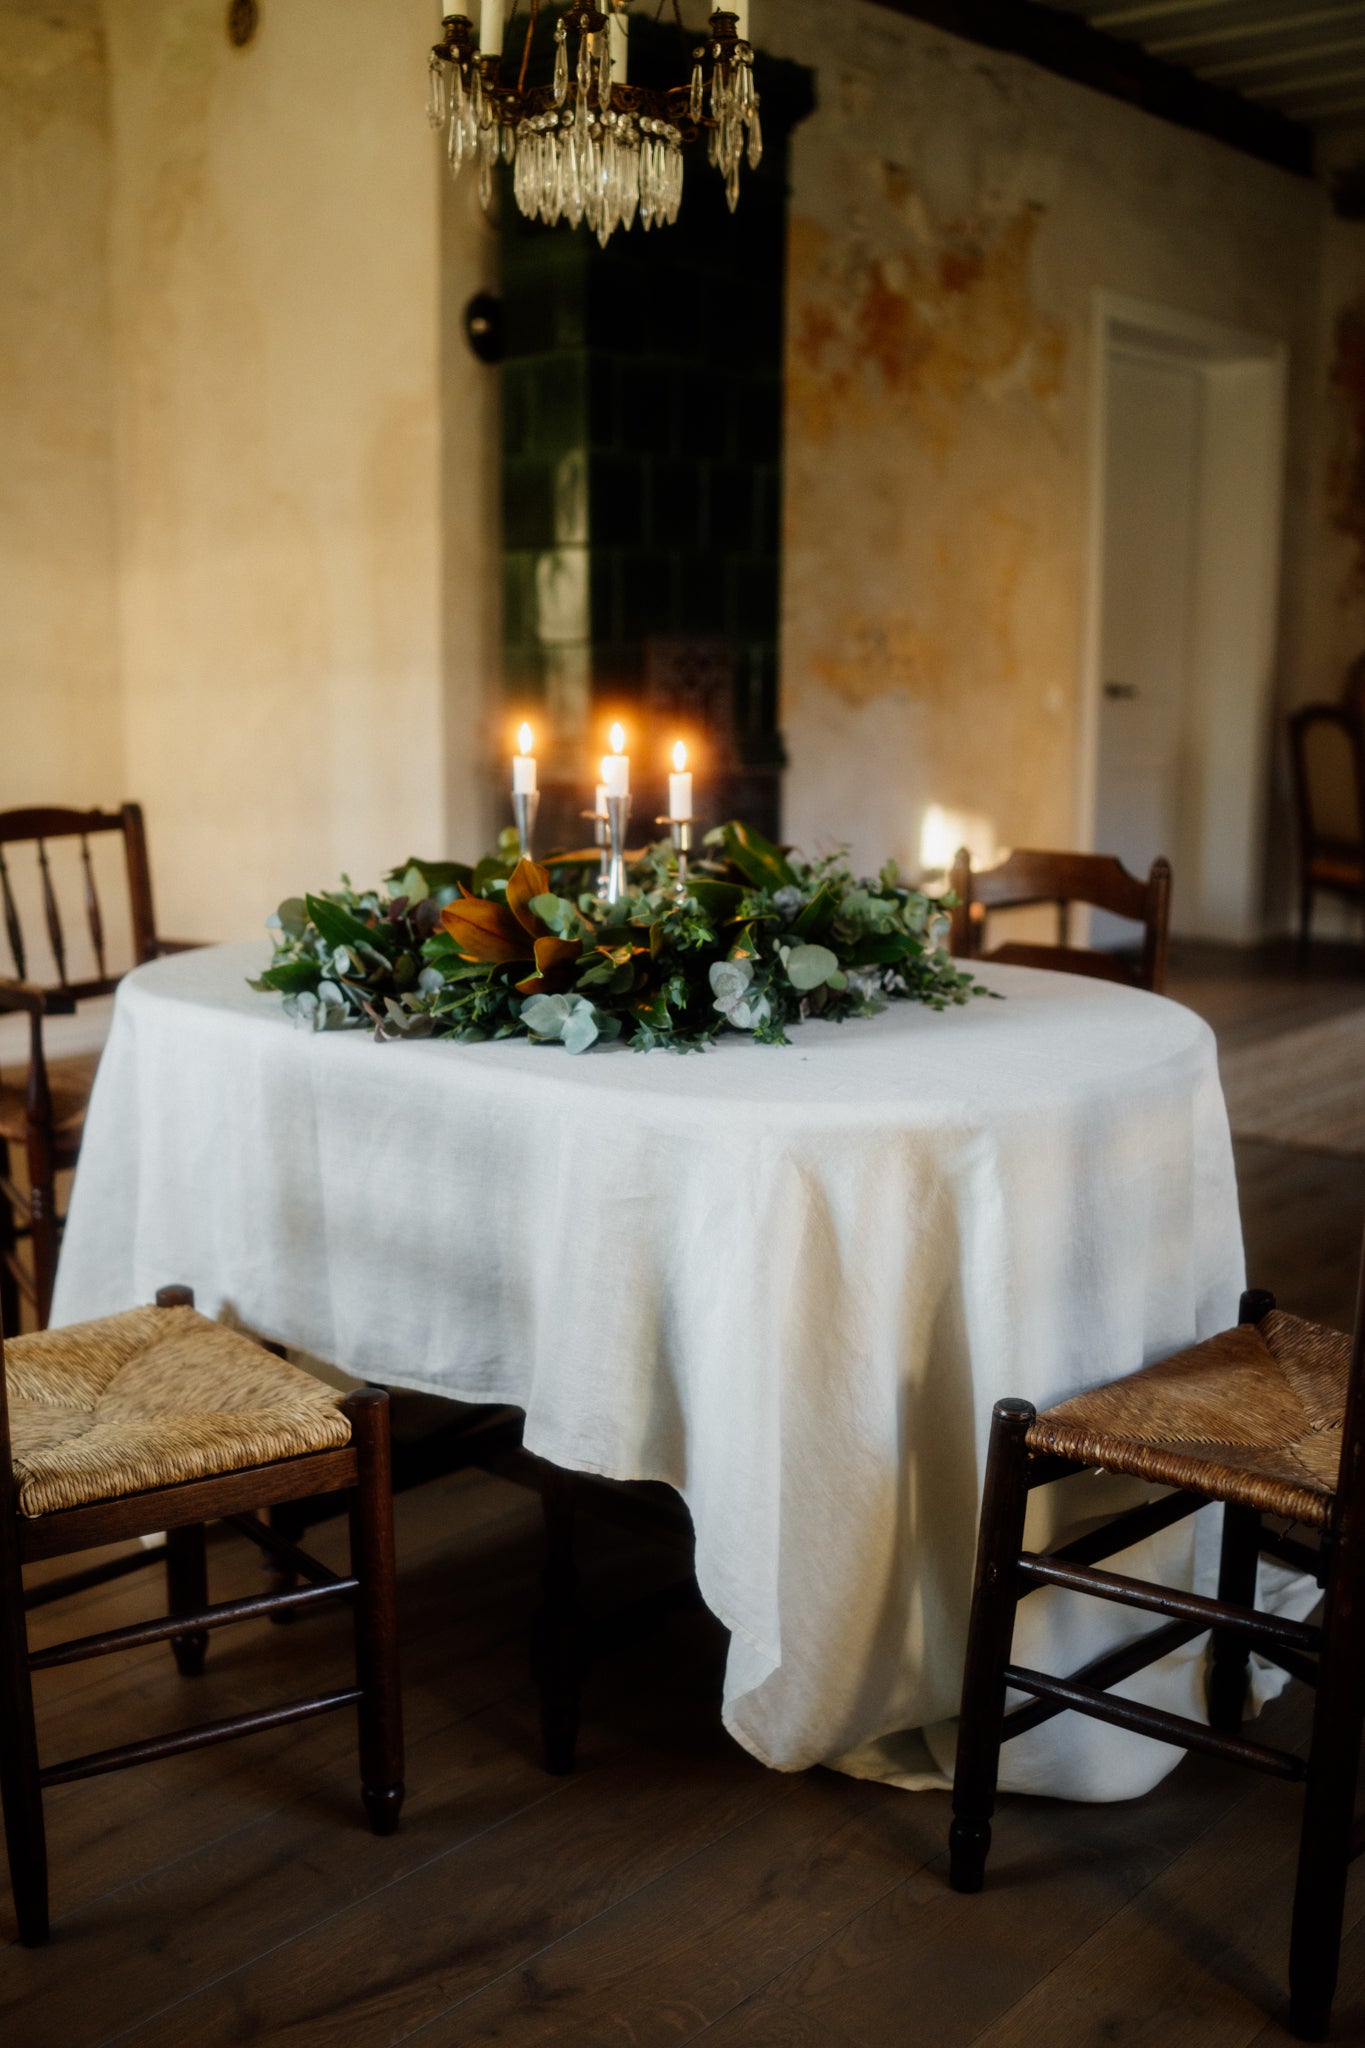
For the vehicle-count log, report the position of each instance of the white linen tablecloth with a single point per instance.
(790, 1283)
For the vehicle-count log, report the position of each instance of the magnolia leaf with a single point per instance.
(338, 926)
(526, 881)
(817, 917)
(484, 930)
(756, 857)
(809, 966)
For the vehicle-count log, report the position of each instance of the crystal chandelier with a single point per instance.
(590, 145)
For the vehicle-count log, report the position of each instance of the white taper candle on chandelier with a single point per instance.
(616, 765)
(490, 28)
(524, 765)
(619, 35)
(741, 13)
(680, 785)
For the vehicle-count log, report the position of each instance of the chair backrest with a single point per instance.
(1029, 877)
(38, 827)
(1327, 747)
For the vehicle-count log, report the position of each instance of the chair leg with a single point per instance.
(989, 1635)
(44, 1228)
(1328, 1823)
(20, 1787)
(558, 1634)
(376, 1611)
(9, 1244)
(1231, 1655)
(187, 1590)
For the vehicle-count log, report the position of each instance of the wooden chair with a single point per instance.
(160, 1420)
(44, 1113)
(1268, 1418)
(1026, 878)
(1327, 750)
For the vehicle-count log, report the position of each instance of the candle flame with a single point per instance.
(618, 739)
(526, 739)
(679, 758)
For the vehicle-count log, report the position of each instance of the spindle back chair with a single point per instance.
(42, 1116)
(1269, 1419)
(200, 1425)
(1327, 753)
(1029, 877)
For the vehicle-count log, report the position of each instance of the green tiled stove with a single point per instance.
(642, 479)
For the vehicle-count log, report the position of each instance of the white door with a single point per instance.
(1151, 511)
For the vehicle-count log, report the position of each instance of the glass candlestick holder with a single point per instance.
(618, 820)
(524, 807)
(598, 821)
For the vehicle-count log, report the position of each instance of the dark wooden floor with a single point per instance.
(672, 1890)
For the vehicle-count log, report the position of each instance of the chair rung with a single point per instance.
(1163, 1727)
(1240, 1621)
(284, 1552)
(201, 1737)
(222, 1615)
(1110, 1669)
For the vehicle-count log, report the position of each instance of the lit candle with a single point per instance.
(620, 43)
(490, 28)
(616, 765)
(680, 785)
(524, 765)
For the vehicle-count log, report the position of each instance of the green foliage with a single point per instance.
(761, 939)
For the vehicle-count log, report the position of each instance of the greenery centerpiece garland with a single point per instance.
(758, 939)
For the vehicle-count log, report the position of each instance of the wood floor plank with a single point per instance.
(1058, 1873)
(682, 1951)
(374, 1974)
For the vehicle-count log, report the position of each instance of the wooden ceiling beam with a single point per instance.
(1069, 47)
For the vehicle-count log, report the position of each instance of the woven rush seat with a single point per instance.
(154, 1397)
(70, 1081)
(1252, 1416)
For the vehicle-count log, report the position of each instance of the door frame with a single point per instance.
(1220, 858)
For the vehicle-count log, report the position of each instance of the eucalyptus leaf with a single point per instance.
(809, 966)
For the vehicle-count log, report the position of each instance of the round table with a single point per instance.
(788, 1282)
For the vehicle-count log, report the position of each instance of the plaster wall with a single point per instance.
(954, 214)
(275, 240)
(60, 732)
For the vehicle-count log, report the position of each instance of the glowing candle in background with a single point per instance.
(490, 28)
(680, 785)
(616, 765)
(524, 765)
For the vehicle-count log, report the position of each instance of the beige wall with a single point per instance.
(955, 213)
(274, 235)
(59, 719)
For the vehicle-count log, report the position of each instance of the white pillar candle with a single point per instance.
(616, 765)
(680, 785)
(490, 28)
(600, 806)
(524, 765)
(620, 44)
(741, 10)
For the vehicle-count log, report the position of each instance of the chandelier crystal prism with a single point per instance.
(590, 145)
